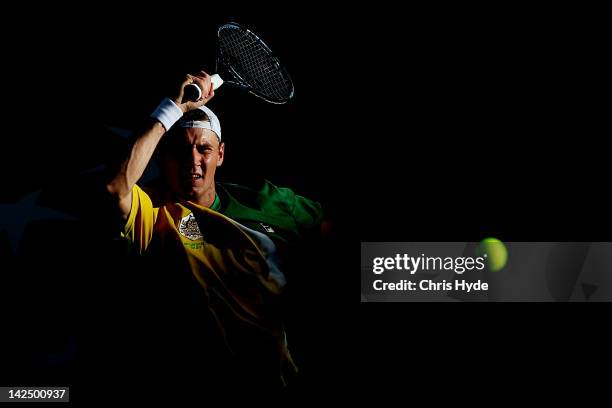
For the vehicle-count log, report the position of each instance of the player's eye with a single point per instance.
(182, 148)
(204, 149)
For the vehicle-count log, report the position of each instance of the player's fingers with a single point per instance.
(204, 84)
(204, 99)
(188, 80)
(211, 90)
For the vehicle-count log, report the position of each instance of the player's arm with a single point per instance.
(134, 165)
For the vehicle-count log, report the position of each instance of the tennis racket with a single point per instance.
(246, 62)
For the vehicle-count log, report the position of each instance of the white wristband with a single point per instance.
(167, 113)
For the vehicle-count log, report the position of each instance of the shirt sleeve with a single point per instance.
(308, 214)
(139, 226)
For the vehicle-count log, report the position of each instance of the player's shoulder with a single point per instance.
(268, 198)
(256, 194)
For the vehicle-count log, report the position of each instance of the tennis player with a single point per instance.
(224, 242)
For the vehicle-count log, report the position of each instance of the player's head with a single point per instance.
(190, 154)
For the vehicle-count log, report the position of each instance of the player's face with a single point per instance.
(191, 161)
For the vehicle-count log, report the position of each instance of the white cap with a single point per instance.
(211, 124)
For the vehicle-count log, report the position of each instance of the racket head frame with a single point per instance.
(235, 79)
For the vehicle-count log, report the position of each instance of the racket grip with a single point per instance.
(216, 81)
(193, 92)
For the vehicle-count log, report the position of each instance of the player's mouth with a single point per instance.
(195, 178)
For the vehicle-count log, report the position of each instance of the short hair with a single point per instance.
(196, 115)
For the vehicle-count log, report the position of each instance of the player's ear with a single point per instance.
(221, 153)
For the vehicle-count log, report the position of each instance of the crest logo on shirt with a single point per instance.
(267, 228)
(188, 227)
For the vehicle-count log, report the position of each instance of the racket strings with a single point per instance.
(246, 54)
(255, 65)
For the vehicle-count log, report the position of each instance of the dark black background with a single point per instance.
(492, 126)
(412, 124)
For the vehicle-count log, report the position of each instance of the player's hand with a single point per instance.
(202, 79)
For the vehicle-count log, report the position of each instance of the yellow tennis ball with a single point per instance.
(495, 253)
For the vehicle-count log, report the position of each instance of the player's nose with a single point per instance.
(196, 157)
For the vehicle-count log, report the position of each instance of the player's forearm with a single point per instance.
(132, 168)
(134, 165)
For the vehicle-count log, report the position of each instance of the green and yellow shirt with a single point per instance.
(231, 250)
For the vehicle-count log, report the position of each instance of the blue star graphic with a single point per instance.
(15, 216)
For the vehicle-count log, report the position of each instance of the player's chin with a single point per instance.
(189, 183)
(195, 189)
(197, 184)
(189, 192)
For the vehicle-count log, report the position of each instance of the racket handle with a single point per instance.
(216, 81)
(193, 92)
